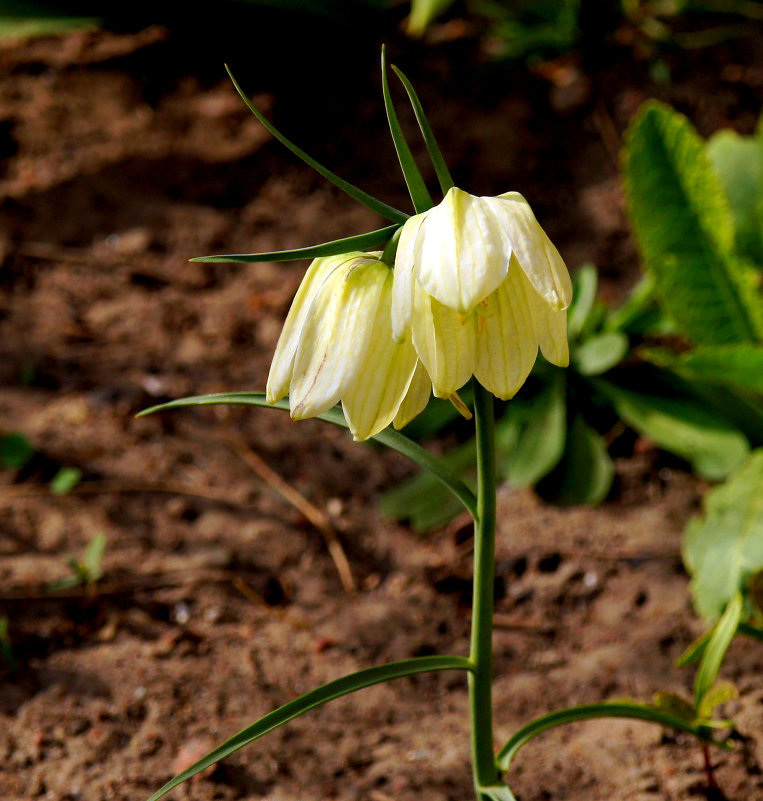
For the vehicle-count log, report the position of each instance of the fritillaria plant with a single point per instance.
(467, 290)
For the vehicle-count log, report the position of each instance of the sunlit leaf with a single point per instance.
(65, 480)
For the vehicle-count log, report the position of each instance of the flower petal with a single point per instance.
(535, 252)
(402, 287)
(507, 344)
(335, 335)
(417, 397)
(282, 365)
(462, 251)
(550, 326)
(445, 340)
(373, 398)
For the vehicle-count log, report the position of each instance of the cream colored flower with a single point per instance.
(337, 344)
(480, 287)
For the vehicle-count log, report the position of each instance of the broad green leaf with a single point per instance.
(685, 231)
(423, 12)
(725, 545)
(718, 694)
(683, 426)
(384, 210)
(372, 239)
(435, 154)
(65, 480)
(739, 366)
(631, 710)
(715, 651)
(738, 160)
(584, 285)
(584, 474)
(315, 698)
(540, 442)
(389, 437)
(422, 200)
(15, 451)
(600, 353)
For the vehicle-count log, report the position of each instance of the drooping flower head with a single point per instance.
(337, 345)
(479, 287)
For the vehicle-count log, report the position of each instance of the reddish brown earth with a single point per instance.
(220, 600)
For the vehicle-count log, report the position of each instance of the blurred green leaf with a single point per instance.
(6, 647)
(725, 544)
(541, 434)
(600, 353)
(585, 473)
(718, 694)
(739, 366)
(683, 426)
(584, 284)
(685, 231)
(713, 655)
(65, 480)
(423, 12)
(738, 161)
(15, 451)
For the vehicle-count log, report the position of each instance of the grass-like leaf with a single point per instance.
(725, 545)
(372, 239)
(715, 650)
(435, 154)
(686, 233)
(389, 437)
(634, 711)
(417, 189)
(315, 698)
(381, 208)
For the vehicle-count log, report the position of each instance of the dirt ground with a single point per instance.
(123, 155)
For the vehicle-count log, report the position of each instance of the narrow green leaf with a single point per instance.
(381, 208)
(372, 239)
(600, 353)
(315, 698)
(540, 443)
(716, 648)
(685, 231)
(695, 650)
(592, 712)
(584, 285)
(640, 313)
(417, 189)
(683, 426)
(94, 556)
(718, 694)
(585, 472)
(725, 545)
(389, 437)
(435, 154)
(738, 160)
(756, 632)
(423, 12)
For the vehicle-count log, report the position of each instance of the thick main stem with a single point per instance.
(481, 678)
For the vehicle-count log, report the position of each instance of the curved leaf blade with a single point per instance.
(389, 437)
(715, 650)
(575, 714)
(315, 698)
(360, 242)
(381, 208)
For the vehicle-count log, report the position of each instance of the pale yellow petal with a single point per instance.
(445, 340)
(534, 251)
(402, 288)
(282, 365)
(417, 397)
(461, 252)
(335, 335)
(372, 399)
(507, 344)
(550, 327)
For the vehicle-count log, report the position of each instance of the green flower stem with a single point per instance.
(481, 656)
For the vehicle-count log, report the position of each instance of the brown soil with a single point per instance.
(220, 601)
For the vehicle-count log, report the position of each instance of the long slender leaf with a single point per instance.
(417, 189)
(360, 242)
(716, 648)
(435, 154)
(389, 437)
(590, 712)
(315, 698)
(386, 211)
